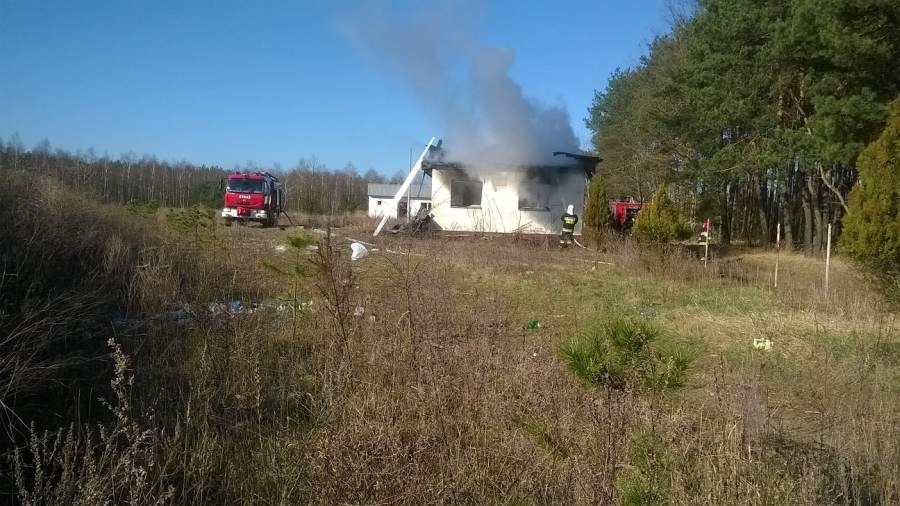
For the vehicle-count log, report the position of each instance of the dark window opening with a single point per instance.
(534, 197)
(465, 193)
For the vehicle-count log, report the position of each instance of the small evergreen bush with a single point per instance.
(658, 222)
(648, 477)
(195, 222)
(596, 212)
(871, 234)
(621, 355)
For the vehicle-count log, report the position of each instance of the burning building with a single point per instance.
(499, 175)
(497, 198)
(520, 199)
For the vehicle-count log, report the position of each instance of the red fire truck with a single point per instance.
(624, 211)
(256, 196)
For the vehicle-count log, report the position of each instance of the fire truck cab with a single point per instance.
(624, 211)
(256, 196)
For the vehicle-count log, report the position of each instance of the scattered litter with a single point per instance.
(762, 344)
(221, 308)
(281, 248)
(361, 242)
(217, 308)
(359, 251)
(182, 314)
(359, 311)
(298, 305)
(528, 273)
(180, 317)
(594, 262)
(403, 253)
(533, 325)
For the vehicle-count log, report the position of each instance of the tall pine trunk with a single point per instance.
(726, 215)
(812, 185)
(761, 209)
(787, 219)
(807, 216)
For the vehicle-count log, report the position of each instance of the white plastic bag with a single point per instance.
(359, 251)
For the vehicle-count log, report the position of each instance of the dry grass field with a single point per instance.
(413, 376)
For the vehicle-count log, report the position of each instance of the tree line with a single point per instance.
(754, 112)
(310, 186)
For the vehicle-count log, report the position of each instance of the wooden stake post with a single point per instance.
(827, 257)
(777, 251)
(706, 246)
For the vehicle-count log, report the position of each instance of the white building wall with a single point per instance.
(499, 211)
(377, 211)
(415, 204)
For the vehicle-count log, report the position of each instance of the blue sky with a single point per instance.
(227, 83)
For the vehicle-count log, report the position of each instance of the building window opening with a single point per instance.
(534, 197)
(465, 193)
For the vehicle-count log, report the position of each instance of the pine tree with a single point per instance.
(596, 212)
(872, 226)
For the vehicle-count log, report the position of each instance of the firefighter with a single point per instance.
(568, 229)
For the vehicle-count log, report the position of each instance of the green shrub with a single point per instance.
(596, 212)
(871, 232)
(648, 476)
(195, 222)
(144, 209)
(621, 355)
(659, 221)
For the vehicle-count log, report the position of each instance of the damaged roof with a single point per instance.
(588, 165)
(587, 162)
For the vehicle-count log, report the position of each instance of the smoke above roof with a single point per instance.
(462, 81)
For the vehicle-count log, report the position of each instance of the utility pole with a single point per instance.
(408, 205)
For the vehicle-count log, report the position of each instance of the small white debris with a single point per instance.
(281, 248)
(762, 343)
(358, 251)
(359, 311)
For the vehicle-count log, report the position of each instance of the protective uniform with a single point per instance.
(568, 229)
